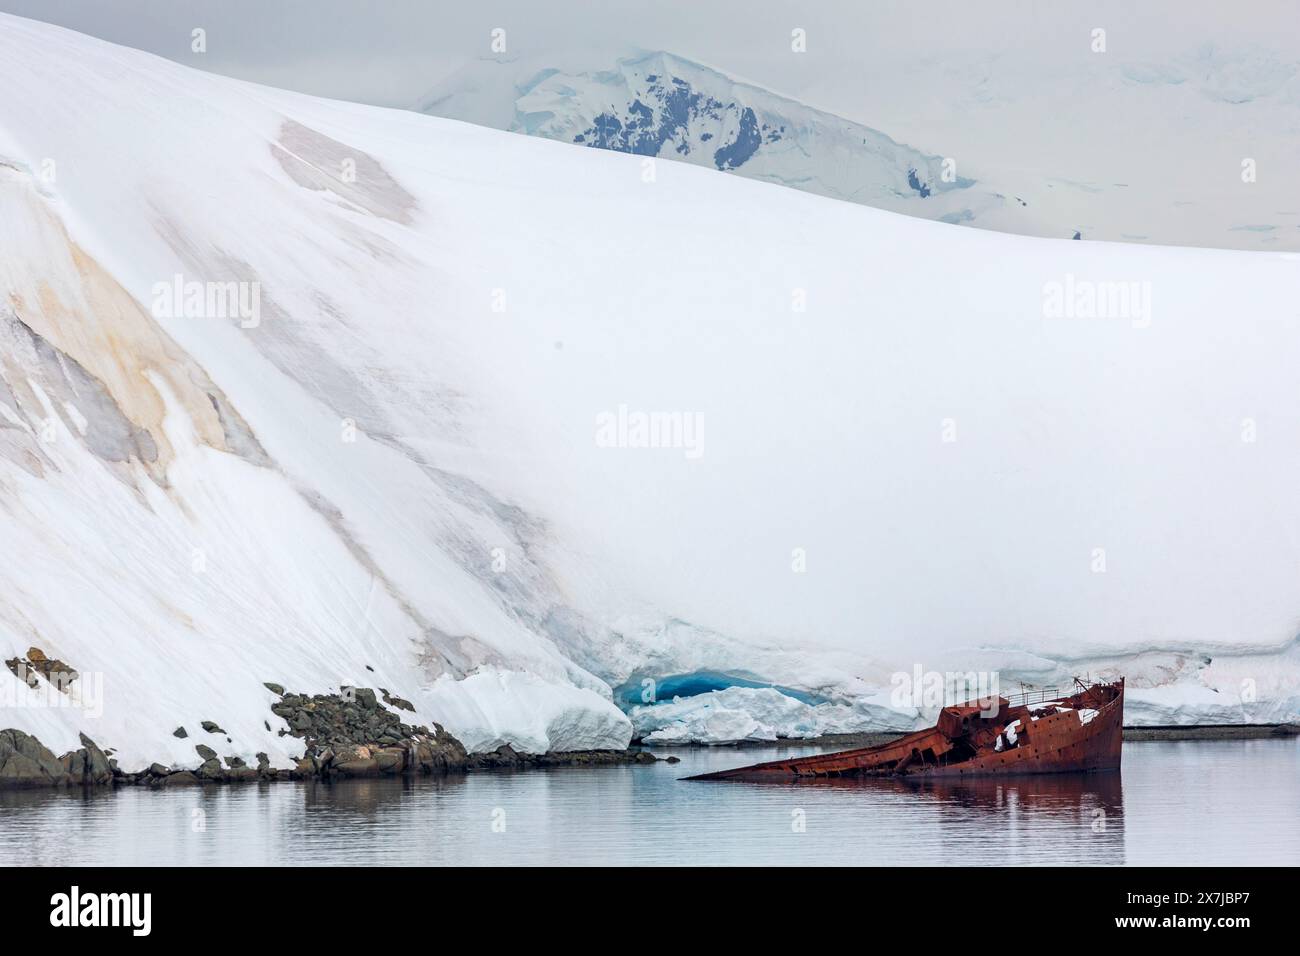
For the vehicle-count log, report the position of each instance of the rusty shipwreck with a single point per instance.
(1029, 733)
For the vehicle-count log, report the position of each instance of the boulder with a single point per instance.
(368, 767)
(25, 762)
(59, 674)
(98, 768)
(23, 671)
(390, 760)
(182, 778)
(74, 764)
(20, 771)
(366, 698)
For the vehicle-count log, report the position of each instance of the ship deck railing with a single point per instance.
(1040, 696)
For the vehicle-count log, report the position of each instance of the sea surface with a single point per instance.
(1199, 803)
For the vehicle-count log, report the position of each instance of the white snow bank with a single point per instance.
(530, 714)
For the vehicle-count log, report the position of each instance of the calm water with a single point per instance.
(1196, 803)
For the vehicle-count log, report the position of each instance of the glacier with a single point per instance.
(739, 714)
(390, 476)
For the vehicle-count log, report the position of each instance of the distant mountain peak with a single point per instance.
(663, 105)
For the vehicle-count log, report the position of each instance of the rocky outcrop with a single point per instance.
(89, 765)
(507, 758)
(26, 762)
(348, 734)
(59, 674)
(401, 703)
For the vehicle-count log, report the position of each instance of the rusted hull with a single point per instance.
(1053, 738)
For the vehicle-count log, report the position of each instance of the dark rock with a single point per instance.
(234, 763)
(98, 769)
(182, 778)
(158, 770)
(74, 764)
(211, 770)
(399, 702)
(366, 698)
(23, 671)
(210, 727)
(390, 760)
(25, 762)
(180, 732)
(367, 767)
(274, 688)
(347, 753)
(19, 770)
(55, 671)
(204, 751)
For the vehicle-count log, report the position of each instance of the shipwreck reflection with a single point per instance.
(1081, 811)
(994, 820)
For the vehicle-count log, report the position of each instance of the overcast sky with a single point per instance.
(389, 52)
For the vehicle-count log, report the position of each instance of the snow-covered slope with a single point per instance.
(416, 463)
(661, 105)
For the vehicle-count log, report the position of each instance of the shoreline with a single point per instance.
(350, 736)
(1138, 733)
(1211, 732)
(355, 733)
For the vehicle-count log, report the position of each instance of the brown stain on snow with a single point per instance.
(315, 161)
(66, 297)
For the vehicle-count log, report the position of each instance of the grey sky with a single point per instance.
(391, 51)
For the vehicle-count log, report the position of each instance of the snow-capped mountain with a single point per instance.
(661, 105)
(319, 394)
(1190, 151)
